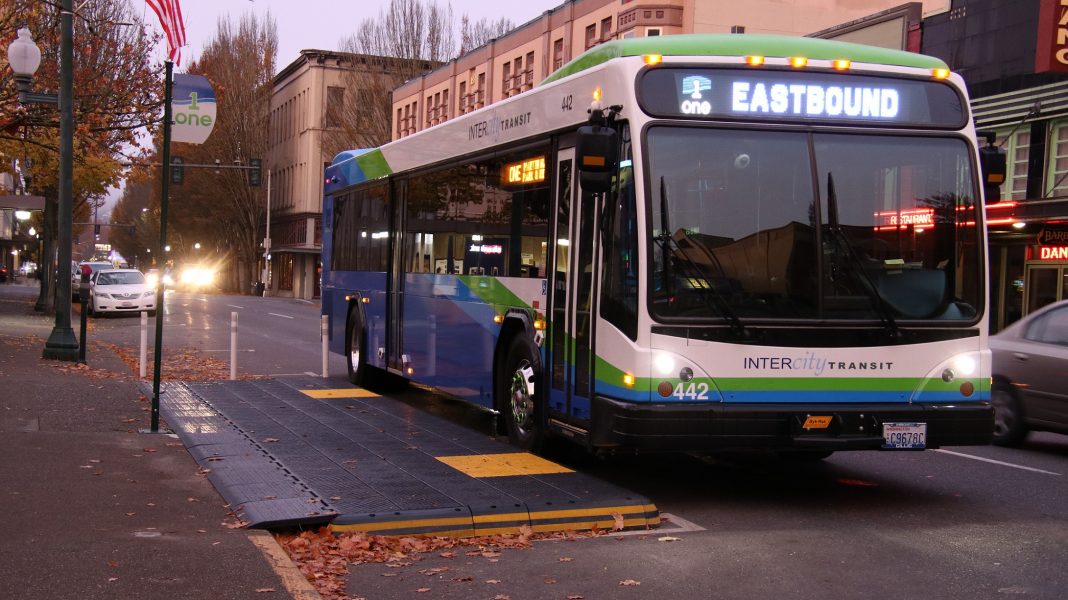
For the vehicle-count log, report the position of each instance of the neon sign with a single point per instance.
(917, 217)
(1053, 253)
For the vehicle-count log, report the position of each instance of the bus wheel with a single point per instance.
(522, 409)
(1009, 427)
(356, 351)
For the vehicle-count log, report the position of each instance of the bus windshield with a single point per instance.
(761, 225)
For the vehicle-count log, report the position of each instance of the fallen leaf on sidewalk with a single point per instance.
(668, 538)
(269, 440)
(502, 597)
(550, 580)
(423, 590)
(447, 555)
(617, 519)
(191, 500)
(264, 590)
(493, 581)
(463, 578)
(630, 582)
(565, 559)
(148, 449)
(576, 597)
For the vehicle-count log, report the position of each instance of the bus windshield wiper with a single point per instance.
(717, 301)
(842, 241)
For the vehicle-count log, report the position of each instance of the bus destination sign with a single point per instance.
(799, 95)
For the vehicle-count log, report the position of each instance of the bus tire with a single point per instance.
(1009, 426)
(356, 350)
(521, 408)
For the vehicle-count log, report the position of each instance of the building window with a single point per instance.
(1057, 185)
(506, 79)
(528, 72)
(606, 29)
(1017, 151)
(591, 35)
(400, 122)
(558, 54)
(480, 93)
(652, 31)
(428, 120)
(465, 102)
(737, 28)
(445, 105)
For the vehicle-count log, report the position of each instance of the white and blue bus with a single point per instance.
(688, 242)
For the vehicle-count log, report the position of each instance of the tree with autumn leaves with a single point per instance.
(117, 92)
(216, 208)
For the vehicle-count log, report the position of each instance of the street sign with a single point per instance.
(193, 107)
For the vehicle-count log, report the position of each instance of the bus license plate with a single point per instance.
(908, 436)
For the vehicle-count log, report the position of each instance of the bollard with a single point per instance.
(324, 335)
(233, 345)
(142, 366)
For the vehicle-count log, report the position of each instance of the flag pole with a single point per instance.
(163, 202)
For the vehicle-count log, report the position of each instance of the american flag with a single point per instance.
(170, 17)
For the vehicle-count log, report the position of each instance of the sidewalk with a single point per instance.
(92, 508)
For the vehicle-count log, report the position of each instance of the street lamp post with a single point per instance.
(24, 58)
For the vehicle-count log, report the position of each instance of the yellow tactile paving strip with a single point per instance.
(502, 465)
(340, 393)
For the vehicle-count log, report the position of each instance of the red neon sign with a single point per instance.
(1053, 253)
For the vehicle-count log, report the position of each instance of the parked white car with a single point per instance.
(120, 290)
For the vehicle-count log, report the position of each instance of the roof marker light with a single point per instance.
(940, 73)
(842, 64)
(653, 59)
(798, 61)
(597, 95)
(754, 61)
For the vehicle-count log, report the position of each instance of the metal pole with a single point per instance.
(61, 344)
(267, 239)
(233, 345)
(324, 335)
(83, 300)
(163, 202)
(142, 363)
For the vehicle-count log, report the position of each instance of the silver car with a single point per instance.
(1030, 389)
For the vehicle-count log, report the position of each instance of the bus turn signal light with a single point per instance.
(653, 59)
(842, 64)
(798, 61)
(940, 73)
(754, 61)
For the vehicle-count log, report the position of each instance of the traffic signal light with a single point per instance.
(254, 173)
(177, 170)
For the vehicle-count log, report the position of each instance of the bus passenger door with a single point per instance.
(570, 355)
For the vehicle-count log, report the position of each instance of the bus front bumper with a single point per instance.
(725, 426)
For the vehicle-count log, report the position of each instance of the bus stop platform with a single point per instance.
(302, 452)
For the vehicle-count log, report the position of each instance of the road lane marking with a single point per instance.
(235, 306)
(996, 462)
(283, 316)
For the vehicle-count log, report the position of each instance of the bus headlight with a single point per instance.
(664, 363)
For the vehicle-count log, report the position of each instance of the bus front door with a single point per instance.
(573, 281)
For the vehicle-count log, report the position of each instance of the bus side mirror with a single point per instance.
(595, 153)
(992, 167)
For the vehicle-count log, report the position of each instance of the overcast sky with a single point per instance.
(321, 24)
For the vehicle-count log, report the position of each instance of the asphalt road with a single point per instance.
(962, 522)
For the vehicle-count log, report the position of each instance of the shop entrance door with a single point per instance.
(1045, 284)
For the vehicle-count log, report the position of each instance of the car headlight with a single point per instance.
(149, 293)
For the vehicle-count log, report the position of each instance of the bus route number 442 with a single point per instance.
(905, 436)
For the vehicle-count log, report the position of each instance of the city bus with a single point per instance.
(682, 243)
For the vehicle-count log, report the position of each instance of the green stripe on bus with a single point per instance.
(373, 164)
(744, 45)
(491, 291)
